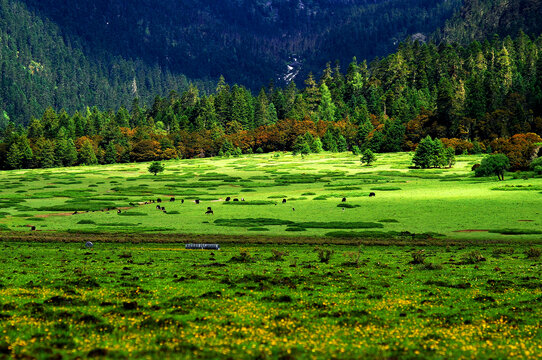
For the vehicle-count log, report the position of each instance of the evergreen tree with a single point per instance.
(326, 109)
(87, 155)
(110, 156)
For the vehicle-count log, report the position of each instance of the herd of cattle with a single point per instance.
(196, 201)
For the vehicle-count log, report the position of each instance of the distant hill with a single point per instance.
(480, 19)
(41, 66)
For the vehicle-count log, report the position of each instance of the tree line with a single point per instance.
(483, 97)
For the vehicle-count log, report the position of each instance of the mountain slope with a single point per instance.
(480, 19)
(247, 41)
(39, 67)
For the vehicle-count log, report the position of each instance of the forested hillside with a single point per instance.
(480, 19)
(40, 66)
(483, 97)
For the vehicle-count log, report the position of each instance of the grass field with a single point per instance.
(438, 264)
(447, 203)
(264, 301)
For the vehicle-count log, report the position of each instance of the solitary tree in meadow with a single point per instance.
(495, 164)
(368, 157)
(156, 167)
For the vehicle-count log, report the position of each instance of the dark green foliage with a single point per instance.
(432, 154)
(324, 255)
(495, 164)
(536, 165)
(368, 157)
(533, 253)
(155, 168)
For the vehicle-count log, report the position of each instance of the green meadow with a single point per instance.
(438, 264)
(433, 203)
(125, 301)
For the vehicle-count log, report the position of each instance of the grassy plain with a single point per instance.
(438, 264)
(266, 301)
(445, 203)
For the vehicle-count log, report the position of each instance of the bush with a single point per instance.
(533, 253)
(418, 257)
(473, 257)
(536, 165)
(324, 255)
(356, 150)
(278, 255)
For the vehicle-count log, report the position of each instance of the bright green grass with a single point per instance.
(268, 302)
(438, 201)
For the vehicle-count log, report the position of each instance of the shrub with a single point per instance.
(533, 253)
(418, 257)
(278, 255)
(352, 258)
(243, 257)
(356, 150)
(324, 255)
(502, 251)
(536, 165)
(473, 257)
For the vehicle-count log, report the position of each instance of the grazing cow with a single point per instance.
(235, 199)
(172, 199)
(242, 199)
(33, 228)
(209, 212)
(159, 200)
(284, 201)
(344, 199)
(196, 201)
(158, 207)
(228, 198)
(163, 208)
(293, 209)
(146, 203)
(164, 211)
(372, 194)
(182, 201)
(119, 211)
(75, 212)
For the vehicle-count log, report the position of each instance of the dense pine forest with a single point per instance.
(105, 53)
(482, 97)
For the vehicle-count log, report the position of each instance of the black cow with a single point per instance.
(284, 201)
(158, 207)
(196, 201)
(235, 199)
(372, 194)
(119, 211)
(163, 208)
(182, 201)
(33, 228)
(228, 198)
(172, 199)
(209, 212)
(209, 208)
(344, 200)
(293, 209)
(158, 200)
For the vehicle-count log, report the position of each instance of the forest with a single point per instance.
(484, 97)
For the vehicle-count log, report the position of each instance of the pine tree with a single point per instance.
(110, 153)
(87, 156)
(326, 109)
(14, 157)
